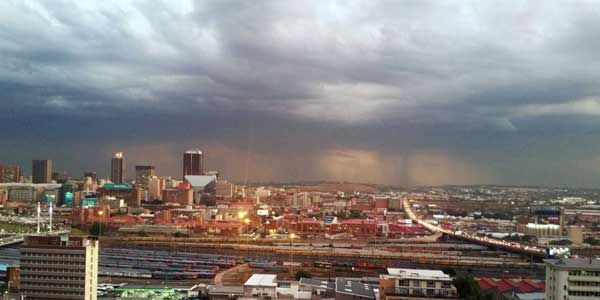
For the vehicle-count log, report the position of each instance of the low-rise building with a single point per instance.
(508, 289)
(354, 289)
(261, 286)
(219, 292)
(319, 288)
(406, 284)
(31, 192)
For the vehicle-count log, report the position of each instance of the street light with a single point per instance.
(292, 237)
(100, 213)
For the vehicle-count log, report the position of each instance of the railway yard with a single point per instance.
(164, 260)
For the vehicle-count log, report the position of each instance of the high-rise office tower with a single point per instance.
(41, 171)
(117, 168)
(193, 162)
(59, 267)
(10, 174)
(143, 175)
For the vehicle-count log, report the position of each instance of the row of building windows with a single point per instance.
(424, 292)
(584, 294)
(61, 255)
(52, 277)
(53, 285)
(584, 283)
(61, 263)
(585, 273)
(430, 284)
(50, 292)
(53, 270)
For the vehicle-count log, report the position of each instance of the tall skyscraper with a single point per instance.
(41, 171)
(143, 175)
(117, 168)
(59, 267)
(193, 162)
(10, 174)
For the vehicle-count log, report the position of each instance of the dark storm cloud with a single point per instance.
(409, 92)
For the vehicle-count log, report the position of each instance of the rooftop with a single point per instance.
(531, 296)
(30, 185)
(418, 273)
(518, 285)
(325, 284)
(200, 180)
(264, 280)
(225, 290)
(193, 151)
(574, 263)
(117, 186)
(354, 287)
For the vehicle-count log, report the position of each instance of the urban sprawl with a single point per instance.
(201, 236)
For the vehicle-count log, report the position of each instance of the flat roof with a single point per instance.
(418, 273)
(325, 284)
(117, 186)
(354, 287)
(193, 151)
(574, 263)
(225, 290)
(267, 280)
(531, 296)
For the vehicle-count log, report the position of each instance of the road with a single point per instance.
(509, 246)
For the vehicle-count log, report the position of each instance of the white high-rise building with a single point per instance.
(572, 279)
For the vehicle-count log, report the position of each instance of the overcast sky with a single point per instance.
(395, 92)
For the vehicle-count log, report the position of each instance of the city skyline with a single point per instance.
(403, 93)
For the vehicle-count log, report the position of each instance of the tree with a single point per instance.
(179, 234)
(355, 214)
(469, 289)
(302, 274)
(98, 229)
(592, 241)
(560, 242)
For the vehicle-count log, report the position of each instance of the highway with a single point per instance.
(509, 246)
